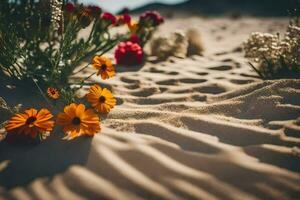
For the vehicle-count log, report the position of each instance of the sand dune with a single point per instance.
(221, 7)
(195, 128)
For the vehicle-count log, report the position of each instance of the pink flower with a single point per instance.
(128, 53)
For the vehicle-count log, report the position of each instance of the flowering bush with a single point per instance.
(131, 51)
(146, 25)
(48, 52)
(41, 46)
(276, 57)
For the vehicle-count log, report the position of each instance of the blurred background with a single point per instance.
(204, 7)
(117, 5)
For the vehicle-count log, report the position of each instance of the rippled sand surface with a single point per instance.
(204, 127)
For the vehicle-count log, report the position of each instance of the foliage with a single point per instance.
(46, 47)
(41, 45)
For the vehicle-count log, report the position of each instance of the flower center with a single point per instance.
(53, 92)
(76, 121)
(30, 120)
(103, 67)
(102, 99)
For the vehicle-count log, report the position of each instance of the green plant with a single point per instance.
(42, 45)
(40, 42)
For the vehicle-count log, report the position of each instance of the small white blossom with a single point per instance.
(269, 50)
(56, 13)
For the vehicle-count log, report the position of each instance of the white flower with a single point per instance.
(56, 13)
(266, 48)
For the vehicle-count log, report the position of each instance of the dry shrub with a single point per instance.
(275, 57)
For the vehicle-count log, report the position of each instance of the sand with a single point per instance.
(204, 127)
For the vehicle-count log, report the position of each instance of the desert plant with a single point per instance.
(41, 45)
(276, 57)
(40, 41)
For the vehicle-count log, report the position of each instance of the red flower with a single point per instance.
(85, 17)
(95, 10)
(153, 17)
(109, 17)
(123, 19)
(70, 7)
(134, 38)
(128, 53)
(126, 18)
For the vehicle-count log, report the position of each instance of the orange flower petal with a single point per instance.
(86, 121)
(31, 123)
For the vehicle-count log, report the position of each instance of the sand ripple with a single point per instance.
(198, 128)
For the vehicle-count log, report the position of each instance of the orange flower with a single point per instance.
(104, 66)
(101, 99)
(31, 123)
(78, 121)
(53, 93)
(133, 26)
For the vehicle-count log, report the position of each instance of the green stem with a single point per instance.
(257, 71)
(62, 42)
(92, 31)
(81, 69)
(82, 82)
(41, 92)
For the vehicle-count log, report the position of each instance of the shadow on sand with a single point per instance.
(43, 160)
